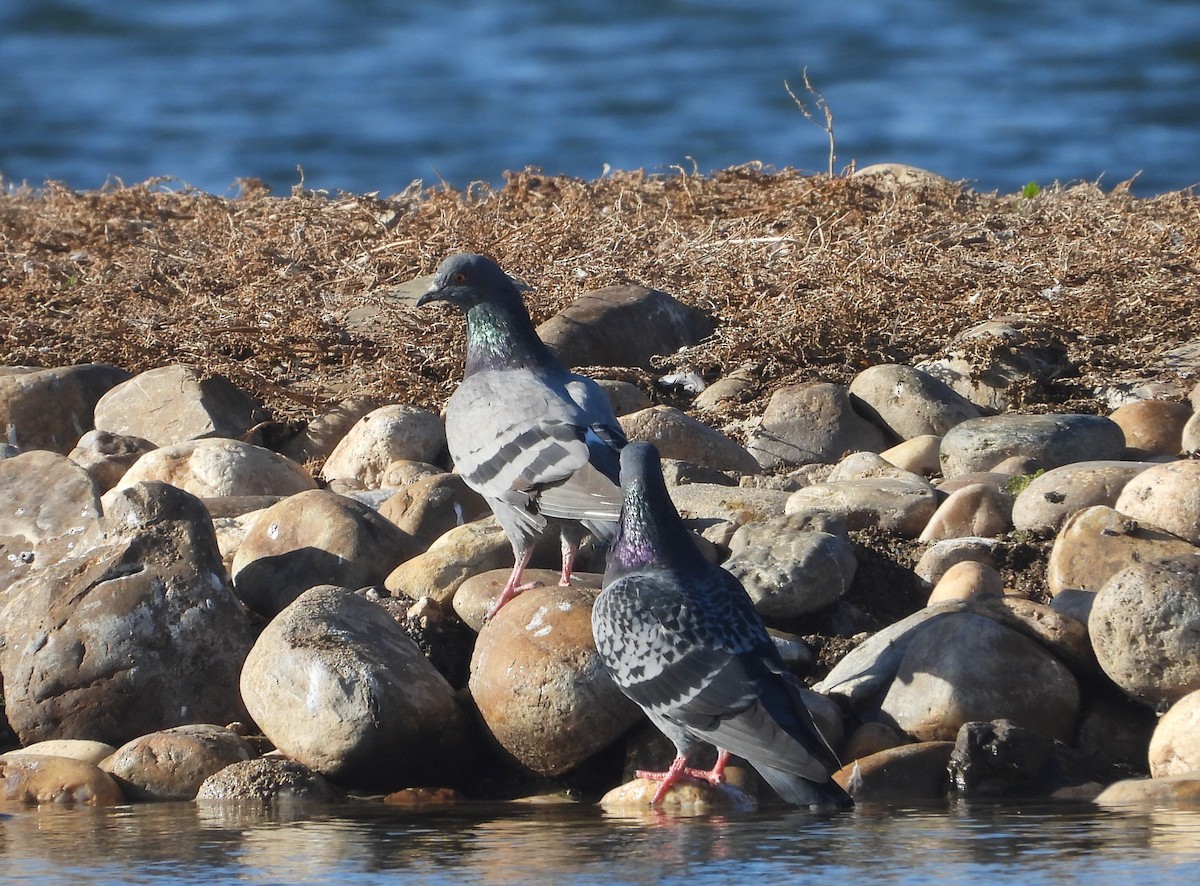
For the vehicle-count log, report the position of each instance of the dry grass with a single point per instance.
(809, 276)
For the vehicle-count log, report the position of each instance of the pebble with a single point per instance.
(979, 444)
(1165, 496)
(1175, 745)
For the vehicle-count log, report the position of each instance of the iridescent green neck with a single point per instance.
(501, 336)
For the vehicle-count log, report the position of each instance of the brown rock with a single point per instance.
(965, 580)
(687, 797)
(266, 780)
(1153, 427)
(1175, 745)
(974, 511)
(1171, 792)
(172, 764)
(216, 467)
(457, 555)
(678, 435)
(382, 436)
(811, 422)
(35, 781)
(52, 408)
(899, 774)
(1166, 496)
(433, 505)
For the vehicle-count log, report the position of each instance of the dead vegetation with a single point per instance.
(809, 276)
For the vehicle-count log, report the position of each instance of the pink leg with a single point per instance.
(569, 549)
(513, 585)
(679, 770)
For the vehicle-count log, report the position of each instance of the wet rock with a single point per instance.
(687, 797)
(871, 738)
(336, 685)
(107, 456)
(941, 555)
(382, 436)
(73, 390)
(1057, 439)
(171, 404)
(1144, 623)
(137, 634)
(1165, 496)
(918, 455)
(623, 325)
(457, 555)
(1098, 542)
(811, 422)
(429, 507)
(267, 780)
(475, 596)
(540, 686)
(1049, 499)
(965, 580)
(318, 438)
(900, 774)
(36, 781)
(1175, 745)
(791, 566)
(678, 435)
(313, 538)
(1153, 427)
(172, 764)
(216, 467)
(71, 748)
(898, 507)
(973, 511)
(908, 402)
(1172, 792)
(967, 667)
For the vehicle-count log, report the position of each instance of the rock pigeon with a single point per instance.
(683, 640)
(539, 443)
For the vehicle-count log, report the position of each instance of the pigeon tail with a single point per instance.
(799, 791)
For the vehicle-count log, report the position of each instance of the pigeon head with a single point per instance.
(651, 532)
(467, 280)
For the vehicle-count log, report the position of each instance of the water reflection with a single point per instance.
(359, 844)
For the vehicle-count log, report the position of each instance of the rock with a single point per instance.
(1175, 745)
(728, 388)
(1172, 792)
(623, 396)
(1063, 637)
(1166, 496)
(433, 505)
(172, 764)
(896, 176)
(72, 748)
(918, 455)
(973, 511)
(678, 435)
(791, 566)
(1074, 603)
(871, 738)
(107, 456)
(898, 507)
(336, 685)
(1144, 623)
(967, 667)
(1057, 439)
(137, 634)
(681, 473)
(382, 436)
(965, 580)
(1153, 427)
(458, 554)
(1050, 498)
(993, 362)
(941, 555)
(897, 775)
(812, 422)
(48, 511)
(1001, 759)
(266, 780)
(318, 438)
(908, 402)
(623, 325)
(540, 686)
(1189, 438)
(216, 467)
(314, 538)
(36, 781)
(869, 466)
(171, 404)
(53, 408)
(1114, 729)
(687, 797)
(475, 596)
(1096, 543)
(704, 504)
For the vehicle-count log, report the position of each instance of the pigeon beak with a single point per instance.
(433, 293)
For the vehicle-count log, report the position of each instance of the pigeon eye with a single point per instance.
(460, 277)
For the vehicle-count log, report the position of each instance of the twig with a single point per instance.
(824, 106)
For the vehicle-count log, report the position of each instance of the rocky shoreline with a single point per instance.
(989, 596)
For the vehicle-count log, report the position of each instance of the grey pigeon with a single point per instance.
(683, 640)
(538, 442)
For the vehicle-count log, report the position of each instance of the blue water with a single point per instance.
(965, 843)
(368, 95)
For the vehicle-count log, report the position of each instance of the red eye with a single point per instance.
(460, 277)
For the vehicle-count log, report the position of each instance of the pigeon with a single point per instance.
(539, 443)
(682, 639)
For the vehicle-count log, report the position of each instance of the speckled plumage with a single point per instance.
(682, 639)
(539, 443)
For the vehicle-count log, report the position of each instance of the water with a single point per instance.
(368, 95)
(354, 846)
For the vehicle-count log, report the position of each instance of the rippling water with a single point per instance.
(966, 843)
(368, 95)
